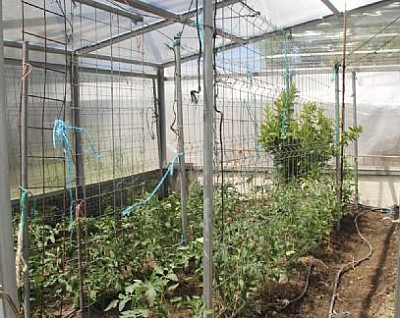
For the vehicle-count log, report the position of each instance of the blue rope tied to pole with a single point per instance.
(168, 172)
(61, 139)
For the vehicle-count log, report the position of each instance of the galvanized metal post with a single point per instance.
(181, 137)
(342, 122)
(7, 255)
(79, 152)
(24, 174)
(208, 121)
(355, 123)
(161, 138)
(397, 291)
(80, 208)
(337, 141)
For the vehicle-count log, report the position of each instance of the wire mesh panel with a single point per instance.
(92, 133)
(119, 110)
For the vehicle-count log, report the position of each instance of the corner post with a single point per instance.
(7, 255)
(181, 138)
(208, 122)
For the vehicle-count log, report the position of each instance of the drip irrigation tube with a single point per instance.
(7, 297)
(283, 303)
(346, 267)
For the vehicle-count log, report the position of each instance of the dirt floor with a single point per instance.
(364, 291)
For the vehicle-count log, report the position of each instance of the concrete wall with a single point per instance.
(379, 188)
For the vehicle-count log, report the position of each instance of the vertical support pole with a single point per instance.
(181, 137)
(337, 141)
(7, 255)
(355, 124)
(397, 290)
(342, 120)
(24, 175)
(79, 153)
(78, 215)
(208, 120)
(162, 143)
(80, 173)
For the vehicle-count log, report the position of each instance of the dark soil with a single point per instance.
(364, 291)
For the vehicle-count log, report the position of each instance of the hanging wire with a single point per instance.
(221, 126)
(174, 105)
(199, 27)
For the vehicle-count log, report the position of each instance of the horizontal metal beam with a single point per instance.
(184, 19)
(149, 8)
(103, 57)
(331, 7)
(123, 37)
(101, 6)
(37, 48)
(84, 69)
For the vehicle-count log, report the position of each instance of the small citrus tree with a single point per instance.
(300, 145)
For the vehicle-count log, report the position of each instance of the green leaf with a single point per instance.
(136, 313)
(172, 287)
(151, 295)
(112, 305)
(289, 253)
(172, 277)
(122, 303)
(176, 299)
(130, 289)
(92, 294)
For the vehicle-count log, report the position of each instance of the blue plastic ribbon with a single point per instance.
(168, 172)
(61, 139)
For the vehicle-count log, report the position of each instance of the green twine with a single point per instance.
(176, 41)
(286, 108)
(22, 199)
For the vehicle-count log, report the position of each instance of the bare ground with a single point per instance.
(364, 291)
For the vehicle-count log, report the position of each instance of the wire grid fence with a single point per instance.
(250, 78)
(92, 126)
(115, 103)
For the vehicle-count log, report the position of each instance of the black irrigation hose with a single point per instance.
(283, 303)
(390, 209)
(346, 267)
(8, 298)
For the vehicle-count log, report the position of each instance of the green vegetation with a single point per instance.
(135, 265)
(139, 269)
(300, 144)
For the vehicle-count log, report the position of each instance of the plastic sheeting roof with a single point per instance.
(143, 30)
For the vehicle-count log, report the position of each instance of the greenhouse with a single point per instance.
(198, 158)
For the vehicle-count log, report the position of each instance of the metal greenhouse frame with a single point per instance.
(108, 71)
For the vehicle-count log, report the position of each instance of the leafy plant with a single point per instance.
(299, 144)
